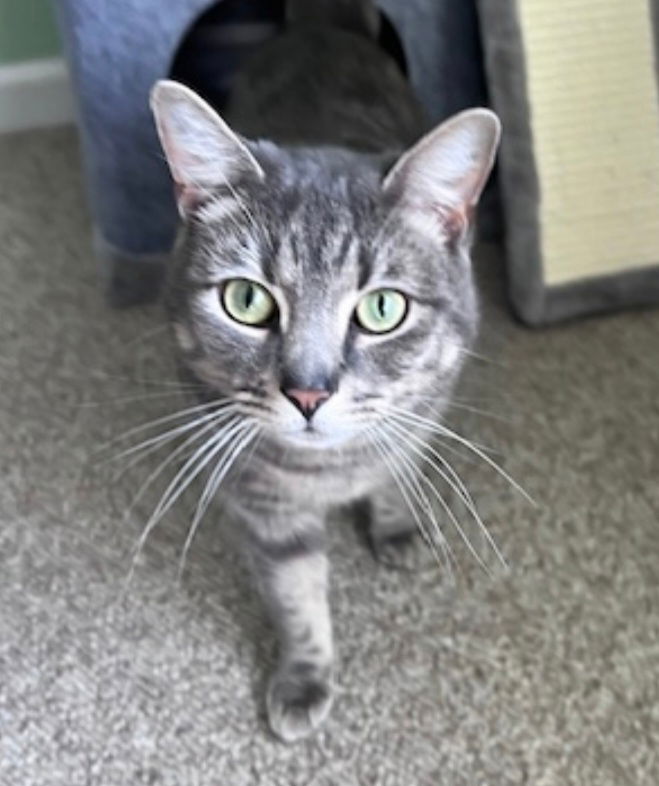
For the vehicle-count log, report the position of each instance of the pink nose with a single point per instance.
(307, 401)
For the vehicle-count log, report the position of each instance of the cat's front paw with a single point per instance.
(298, 701)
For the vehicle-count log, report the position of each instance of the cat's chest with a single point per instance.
(309, 480)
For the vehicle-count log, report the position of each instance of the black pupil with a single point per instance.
(381, 306)
(249, 296)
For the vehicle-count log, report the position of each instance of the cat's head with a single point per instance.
(319, 289)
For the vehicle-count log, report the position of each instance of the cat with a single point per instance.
(321, 297)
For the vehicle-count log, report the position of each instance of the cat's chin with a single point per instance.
(314, 439)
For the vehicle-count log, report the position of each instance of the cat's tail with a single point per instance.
(357, 16)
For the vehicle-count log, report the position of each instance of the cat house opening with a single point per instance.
(222, 37)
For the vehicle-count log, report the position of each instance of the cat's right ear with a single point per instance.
(202, 151)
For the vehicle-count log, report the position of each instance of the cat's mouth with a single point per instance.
(313, 437)
(309, 435)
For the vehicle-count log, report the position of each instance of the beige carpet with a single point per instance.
(545, 675)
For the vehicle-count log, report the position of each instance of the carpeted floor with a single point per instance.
(547, 674)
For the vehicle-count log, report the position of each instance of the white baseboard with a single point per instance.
(34, 95)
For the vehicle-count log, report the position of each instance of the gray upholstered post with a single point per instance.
(116, 50)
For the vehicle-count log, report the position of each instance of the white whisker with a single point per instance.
(466, 500)
(438, 428)
(100, 374)
(477, 411)
(218, 404)
(483, 358)
(168, 460)
(157, 441)
(432, 424)
(220, 471)
(195, 463)
(183, 478)
(413, 473)
(143, 450)
(399, 480)
(133, 398)
(456, 484)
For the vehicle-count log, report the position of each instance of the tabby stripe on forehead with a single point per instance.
(330, 239)
(345, 245)
(296, 248)
(313, 232)
(270, 251)
(365, 267)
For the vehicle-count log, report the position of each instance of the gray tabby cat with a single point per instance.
(322, 296)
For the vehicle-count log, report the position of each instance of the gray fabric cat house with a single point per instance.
(117, 49)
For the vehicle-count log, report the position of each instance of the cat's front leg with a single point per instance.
(291, 570)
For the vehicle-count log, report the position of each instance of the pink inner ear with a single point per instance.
(182, 163)
(188, 198)
(455, 220)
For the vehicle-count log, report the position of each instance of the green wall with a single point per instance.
(27, 30)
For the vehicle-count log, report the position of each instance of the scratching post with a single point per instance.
(575, 86)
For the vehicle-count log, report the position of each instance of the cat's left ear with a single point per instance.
(202, 151)
(441, 178)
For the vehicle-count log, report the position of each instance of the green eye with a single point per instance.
(247, 302)
(381, 311)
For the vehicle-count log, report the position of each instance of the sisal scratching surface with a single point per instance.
(595, 123)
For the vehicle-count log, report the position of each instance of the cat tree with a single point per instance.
(579, 165)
